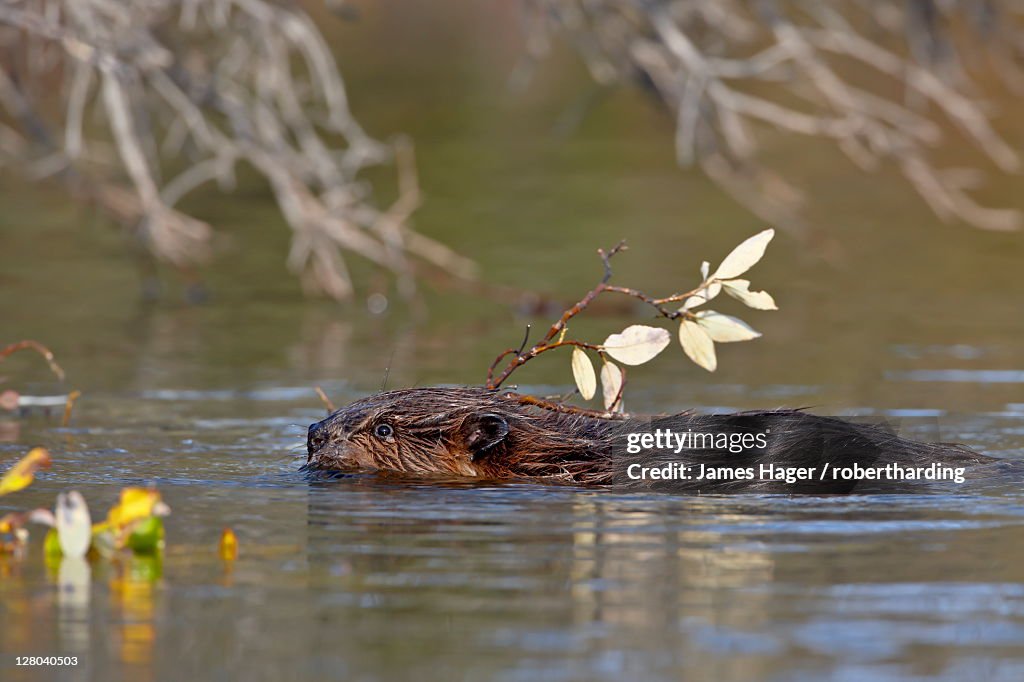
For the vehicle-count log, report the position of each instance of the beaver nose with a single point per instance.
(316, 437)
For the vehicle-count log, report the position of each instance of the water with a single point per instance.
(368, 579)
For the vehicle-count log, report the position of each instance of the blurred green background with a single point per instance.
(531, 201)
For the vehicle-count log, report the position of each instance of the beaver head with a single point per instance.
(426, 430)
(456, 431)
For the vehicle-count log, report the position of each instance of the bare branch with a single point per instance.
(218, 83)
(39, 348)
(728, 69)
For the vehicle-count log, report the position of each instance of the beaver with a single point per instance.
(501, 435)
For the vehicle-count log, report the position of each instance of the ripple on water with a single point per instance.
(527, 581)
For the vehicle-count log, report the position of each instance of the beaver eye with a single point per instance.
(383, 431)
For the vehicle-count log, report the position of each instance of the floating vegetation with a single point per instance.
(228, 547)
(21, 474)
(133, 526)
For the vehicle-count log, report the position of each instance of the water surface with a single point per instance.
(367, 579)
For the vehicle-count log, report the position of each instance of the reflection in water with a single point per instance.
(633, 572)
(74, 588)
(630, 587)
(10, 431)
(112, 638)
(131, 590)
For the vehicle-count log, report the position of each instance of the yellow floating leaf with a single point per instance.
(228, 548)
(22, 473)
(135, 504)
(8, 522)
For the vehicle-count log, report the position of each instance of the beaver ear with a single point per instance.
(481, 432)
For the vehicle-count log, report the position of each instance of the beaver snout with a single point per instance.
(316, 438)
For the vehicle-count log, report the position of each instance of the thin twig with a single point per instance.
(37, 347)
(325, 400)
(69, 405)
(563, 407)
(545, 343)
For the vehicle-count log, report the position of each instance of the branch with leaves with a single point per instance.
(698, 330)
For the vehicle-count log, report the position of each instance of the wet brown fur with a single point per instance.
(434, 430)
(476, 432)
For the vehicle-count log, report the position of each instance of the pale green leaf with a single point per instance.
(725, 328)
(744, 256)
(611, 383)
(636, 344)
(697, 345)
(740, 290)
(74, 527)
(583, 373)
